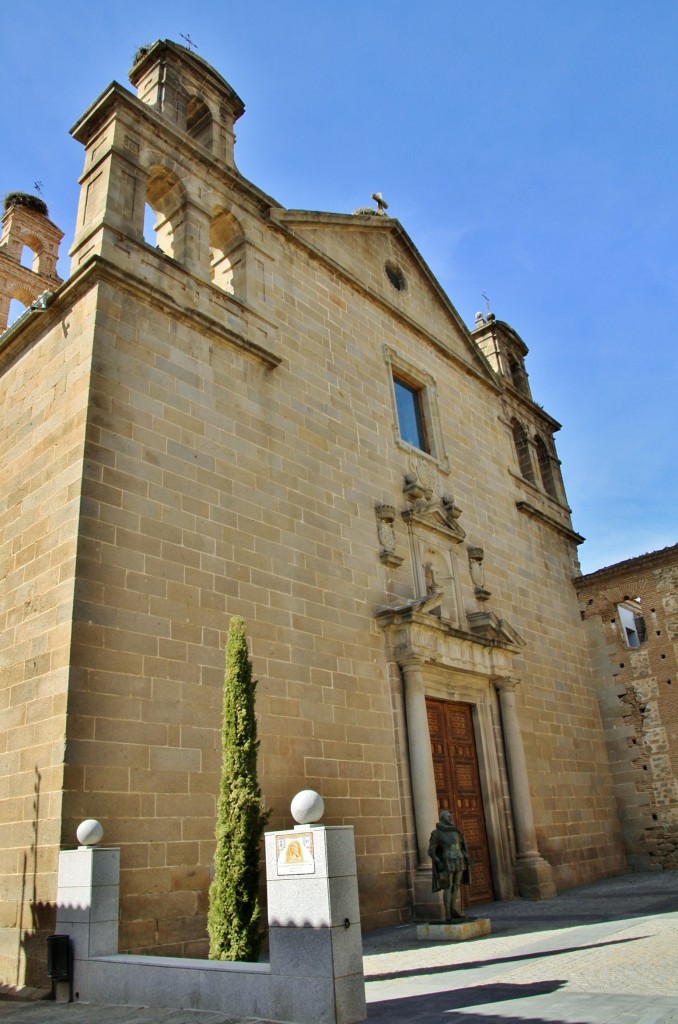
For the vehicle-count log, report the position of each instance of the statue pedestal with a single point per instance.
(454, 931)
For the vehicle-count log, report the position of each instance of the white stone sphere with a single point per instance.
(307, 807)
(90, 832)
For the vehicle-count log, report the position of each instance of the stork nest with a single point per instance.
(26, 199)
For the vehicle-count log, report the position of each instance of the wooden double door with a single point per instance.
(455, 765)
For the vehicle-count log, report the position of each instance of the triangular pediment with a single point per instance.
(377, 253)
(491, 627)
(432, 516)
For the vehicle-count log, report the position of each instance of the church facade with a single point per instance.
(277, 414)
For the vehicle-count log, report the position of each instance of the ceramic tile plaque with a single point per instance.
(295, 854)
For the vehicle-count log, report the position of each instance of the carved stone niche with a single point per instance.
(385, 518)
(475, 561)
(434, 532)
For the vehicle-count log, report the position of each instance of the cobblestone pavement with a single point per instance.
(606, 953)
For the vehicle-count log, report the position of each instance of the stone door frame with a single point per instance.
(473, 666)
(477, 691)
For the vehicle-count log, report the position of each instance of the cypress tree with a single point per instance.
(234, 917)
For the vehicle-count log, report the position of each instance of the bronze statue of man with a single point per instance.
(451, 863)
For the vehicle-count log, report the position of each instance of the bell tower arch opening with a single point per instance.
(227, 253)
(199, 122)
(166, 199)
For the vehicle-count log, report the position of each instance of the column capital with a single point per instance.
(505, 682)
(411, 661)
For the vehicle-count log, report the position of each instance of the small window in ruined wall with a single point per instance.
(634, 631)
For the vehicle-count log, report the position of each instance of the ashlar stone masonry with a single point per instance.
(277, 414)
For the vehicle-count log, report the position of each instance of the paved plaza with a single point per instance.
(605, 953)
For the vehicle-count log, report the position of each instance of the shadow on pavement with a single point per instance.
(472, 964)
(441, 1007)
(621, 898)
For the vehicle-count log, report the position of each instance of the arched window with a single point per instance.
(165, 197)
(16, 308)
(545, 467)
(14, 301)
(518, 376)
(27, 257)
(227, 257)
(199, 123)
(522, 446)
(31, 253)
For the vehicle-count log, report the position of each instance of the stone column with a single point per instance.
(533, 873)
(421, 760)
(426, 904)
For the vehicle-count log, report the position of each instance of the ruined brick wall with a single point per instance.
(646, 673)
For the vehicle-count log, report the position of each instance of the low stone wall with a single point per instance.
(239, 989)
(315, 975)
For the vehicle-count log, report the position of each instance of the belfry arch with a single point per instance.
(26, 224)
(165, 195)
(199, 122)
(227, 253)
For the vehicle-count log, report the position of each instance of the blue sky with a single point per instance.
(528, 148)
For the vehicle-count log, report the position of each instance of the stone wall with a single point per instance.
(215, 485)
(43, 391)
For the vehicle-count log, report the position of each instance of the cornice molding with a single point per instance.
(542, 517)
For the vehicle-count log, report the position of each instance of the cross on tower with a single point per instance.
(189, 42)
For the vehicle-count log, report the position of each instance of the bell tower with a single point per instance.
(26, 224)
(168, 152)
(183, 88)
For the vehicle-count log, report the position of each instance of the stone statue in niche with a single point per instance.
(451, 863)
(476, 556)
(432, 585)
(385, 518)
